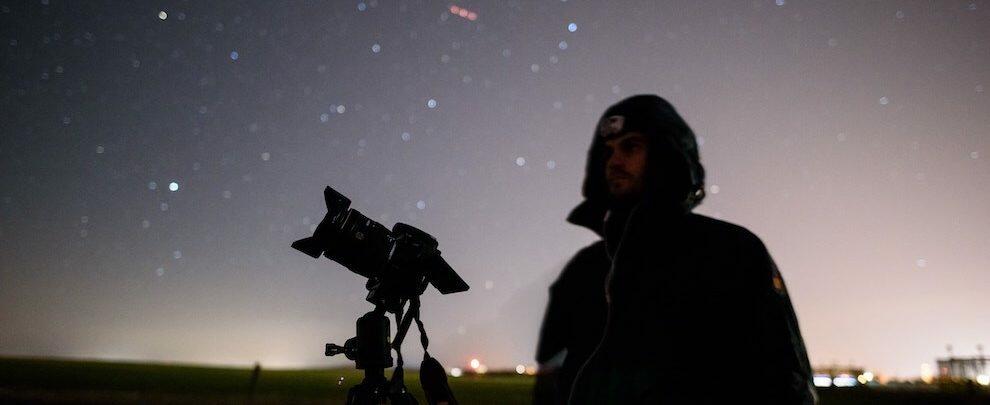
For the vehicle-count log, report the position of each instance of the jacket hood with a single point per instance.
(675, 177)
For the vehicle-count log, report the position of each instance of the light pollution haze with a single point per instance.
(852, 137)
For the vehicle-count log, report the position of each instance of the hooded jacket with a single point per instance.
(681, 307)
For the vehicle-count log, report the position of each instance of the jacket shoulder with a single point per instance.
(593, 250)
(724, 230)
(588, 262)
(750, 258)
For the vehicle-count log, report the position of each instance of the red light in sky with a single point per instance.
(463, 13)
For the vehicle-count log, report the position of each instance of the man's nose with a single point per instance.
(615, 161)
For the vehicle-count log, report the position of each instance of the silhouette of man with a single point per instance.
(670, 306)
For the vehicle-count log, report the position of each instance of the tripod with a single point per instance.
(399, 264)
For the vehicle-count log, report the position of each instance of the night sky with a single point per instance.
(158, 158)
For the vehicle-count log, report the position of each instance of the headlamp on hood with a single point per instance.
(611, 126)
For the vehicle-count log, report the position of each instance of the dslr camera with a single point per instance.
(398, 264)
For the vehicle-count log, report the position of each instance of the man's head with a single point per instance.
(642, 150)
(626, 165)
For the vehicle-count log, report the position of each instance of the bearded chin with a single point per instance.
(626, 199)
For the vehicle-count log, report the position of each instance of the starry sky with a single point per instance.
(157, 158)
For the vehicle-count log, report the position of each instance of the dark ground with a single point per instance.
(71, 381)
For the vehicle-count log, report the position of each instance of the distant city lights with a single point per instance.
(477, 368)
(823, 380)
(926, 373)
(844, 380)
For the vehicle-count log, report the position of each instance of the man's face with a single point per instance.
(625, 170)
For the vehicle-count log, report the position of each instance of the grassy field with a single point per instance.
(110, 382)
(64, 381)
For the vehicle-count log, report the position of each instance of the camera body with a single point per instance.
(398, 263)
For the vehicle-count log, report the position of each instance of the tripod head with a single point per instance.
(371, 348)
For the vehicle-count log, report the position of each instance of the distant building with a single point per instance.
(970, 368)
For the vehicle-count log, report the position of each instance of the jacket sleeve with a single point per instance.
(554, 328)
(782, 357)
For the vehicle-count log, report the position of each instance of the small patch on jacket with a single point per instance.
(778, 284)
